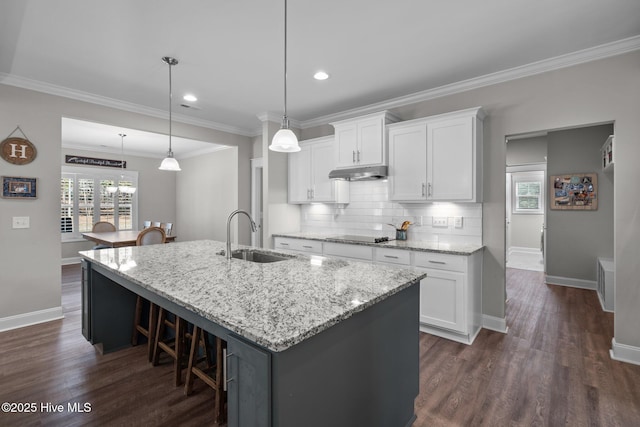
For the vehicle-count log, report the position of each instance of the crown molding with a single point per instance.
(563, 61)
(38, 86)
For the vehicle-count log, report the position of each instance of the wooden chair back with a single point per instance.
(103, 227)
(150, 236)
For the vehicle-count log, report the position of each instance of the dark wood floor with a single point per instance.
(551, 369)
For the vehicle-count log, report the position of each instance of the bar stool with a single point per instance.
(148, 236)
(211, 373)
(174, 346)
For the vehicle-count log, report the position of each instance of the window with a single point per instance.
(84, 200)
(528, 192)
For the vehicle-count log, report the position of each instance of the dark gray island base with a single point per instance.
(361, 371)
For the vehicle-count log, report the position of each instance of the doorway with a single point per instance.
(525, 211)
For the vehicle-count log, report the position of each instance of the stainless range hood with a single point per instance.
(362, 173)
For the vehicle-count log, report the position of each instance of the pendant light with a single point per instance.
(285, 140)
(126, 189)
(169, 163)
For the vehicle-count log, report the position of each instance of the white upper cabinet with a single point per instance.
(437, 158)
(309, 174)
(408, 162)
(361, 141)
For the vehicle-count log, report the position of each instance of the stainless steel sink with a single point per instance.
(258, 256)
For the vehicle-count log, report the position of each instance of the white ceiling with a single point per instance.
(231, 51)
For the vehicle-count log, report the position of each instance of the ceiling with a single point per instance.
(230, 52)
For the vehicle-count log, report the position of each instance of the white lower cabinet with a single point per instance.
(451, 295)
(354, 252)
(309, 247)
(442, 300)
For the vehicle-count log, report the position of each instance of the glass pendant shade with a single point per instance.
(284, 141)
(170, 163)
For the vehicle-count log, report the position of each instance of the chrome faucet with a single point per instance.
(254, 228)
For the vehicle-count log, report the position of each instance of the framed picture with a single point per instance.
(18, 188)
(574, 191)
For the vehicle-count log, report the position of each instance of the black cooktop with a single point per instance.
(357, 238)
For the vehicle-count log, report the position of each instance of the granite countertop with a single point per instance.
(276, 305)
(413, 245)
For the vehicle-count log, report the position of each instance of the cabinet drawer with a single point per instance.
(299, 245)
(364, 253)
(440, 261)
(393, 256)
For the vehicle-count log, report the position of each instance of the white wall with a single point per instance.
(207, 192)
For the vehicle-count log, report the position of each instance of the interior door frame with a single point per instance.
(256, 200)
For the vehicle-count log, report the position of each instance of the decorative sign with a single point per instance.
(18, 188)
(91, 161)
(575, 191)
(18, 151)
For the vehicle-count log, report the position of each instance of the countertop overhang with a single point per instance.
(275, 305)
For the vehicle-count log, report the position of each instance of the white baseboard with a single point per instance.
(498, 324)
(72, 260)
(521, 249)
(572, 283)
(31, 318)
(450, 335)
(624, 353)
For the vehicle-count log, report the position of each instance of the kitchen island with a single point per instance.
(310, 340)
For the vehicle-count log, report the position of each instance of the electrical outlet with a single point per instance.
(440, 221)
(457, 221)
(20, 222)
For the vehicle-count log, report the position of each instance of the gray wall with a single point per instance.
(526, 150)
(207, 192)
(575, 239)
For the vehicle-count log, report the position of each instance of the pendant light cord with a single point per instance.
(170, 100)
(286, 120)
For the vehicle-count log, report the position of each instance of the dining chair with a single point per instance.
(103, 227)
(148, 236)
(146, 224)
(151, 236)
(167, 227)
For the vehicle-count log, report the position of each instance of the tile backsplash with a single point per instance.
(370, 211)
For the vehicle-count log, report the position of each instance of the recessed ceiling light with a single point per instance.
(190, 98)
(321, 75)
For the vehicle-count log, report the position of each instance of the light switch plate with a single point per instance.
(440, 221)
(20, 222)
(457, 221)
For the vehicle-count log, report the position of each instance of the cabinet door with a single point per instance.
(249, 385)
(370, 145)
(442, 300)
(322, 188)
(345, 145)
(450, 159)
(299, 176)
(408, 163)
